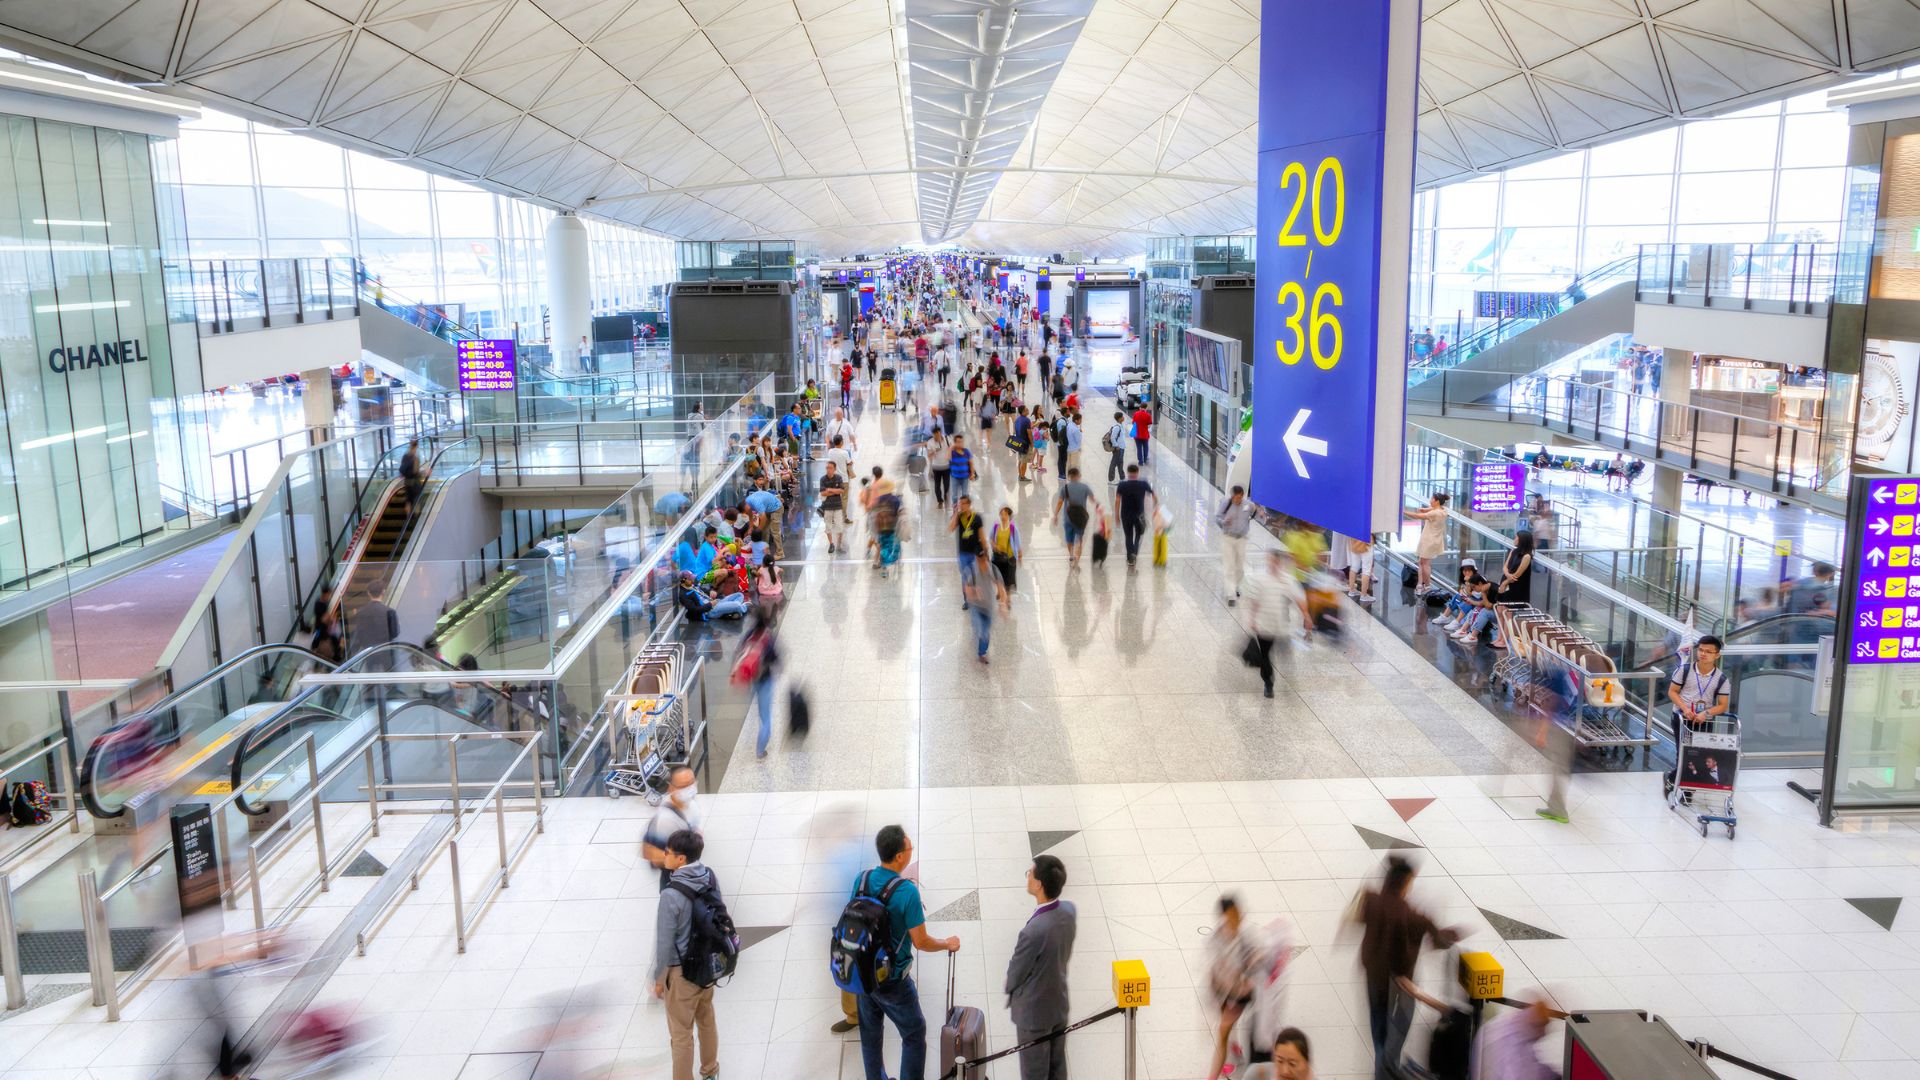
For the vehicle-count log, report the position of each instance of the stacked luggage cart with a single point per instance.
(650, 726)
(1566, 678)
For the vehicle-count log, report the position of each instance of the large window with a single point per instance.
(252, 191)
(1769, 173)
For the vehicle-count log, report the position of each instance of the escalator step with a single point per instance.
(50, 952)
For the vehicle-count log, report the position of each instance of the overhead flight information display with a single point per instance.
(1334, 246)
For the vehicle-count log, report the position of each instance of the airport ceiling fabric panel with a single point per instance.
(858, 124)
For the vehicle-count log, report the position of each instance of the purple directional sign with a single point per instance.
(1885, 627)
(485, 365)
(1499, 487)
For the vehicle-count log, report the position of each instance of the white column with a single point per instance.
(569, 289)
(317, 399)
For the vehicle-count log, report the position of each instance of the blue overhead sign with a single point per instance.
(1334, 206)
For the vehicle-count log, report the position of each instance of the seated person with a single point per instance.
(702, 609)
(1479, 598)
(1457, 610)
(697, 559)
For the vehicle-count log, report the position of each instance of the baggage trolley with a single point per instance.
(1706, 761)
(888, 397)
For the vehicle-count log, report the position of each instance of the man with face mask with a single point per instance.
(679, 810)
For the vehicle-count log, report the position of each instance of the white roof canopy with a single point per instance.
(859, 124)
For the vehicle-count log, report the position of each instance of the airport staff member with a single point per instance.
(1037, 974)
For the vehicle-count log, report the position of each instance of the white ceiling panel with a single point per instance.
(859, 124)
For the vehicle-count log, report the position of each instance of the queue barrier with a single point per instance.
(1132, 990)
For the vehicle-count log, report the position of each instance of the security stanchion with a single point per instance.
(1132, 990)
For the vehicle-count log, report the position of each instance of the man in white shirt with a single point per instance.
(841, 428)
(587, 360)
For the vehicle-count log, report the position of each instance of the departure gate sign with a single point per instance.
(1886, 579)
(1334, 212)
(485, 365)
(1499, 487)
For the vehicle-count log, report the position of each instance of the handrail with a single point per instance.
(501, 877)
(300, 702)
(355, 530)
(1544, 558)
(89, 774)
(583, 632)
(231, 557)
(1480, 340)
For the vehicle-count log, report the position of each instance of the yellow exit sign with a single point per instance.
(1131, 987)
(1481, 975)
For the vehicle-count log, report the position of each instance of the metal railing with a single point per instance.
(501, 876)
(1582, 287)
(1797, 279)
(1782, 459)
(225, 296)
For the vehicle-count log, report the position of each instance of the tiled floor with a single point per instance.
(1116, 729)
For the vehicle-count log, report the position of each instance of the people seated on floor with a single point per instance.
(700, 607)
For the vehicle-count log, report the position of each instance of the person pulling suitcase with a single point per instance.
(871, 952)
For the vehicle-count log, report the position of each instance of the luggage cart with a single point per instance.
(1572, 684)
(1706, 762)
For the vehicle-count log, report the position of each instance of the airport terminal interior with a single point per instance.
(639, 541)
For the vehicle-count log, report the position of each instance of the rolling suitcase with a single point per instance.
(963, 1033)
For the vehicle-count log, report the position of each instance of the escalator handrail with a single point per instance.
(1749, 629)
(89, 766)
(301, 703)
(1476, 342)
(350, 534)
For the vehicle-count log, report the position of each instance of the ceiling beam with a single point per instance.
(1222, 181)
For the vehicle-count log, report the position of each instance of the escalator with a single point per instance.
(231, 732)
(344, 719)
(1595, 305)
(1772, 671)
(378, 541)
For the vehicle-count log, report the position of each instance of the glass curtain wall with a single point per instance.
(1771, 173)
(85, 347)
(253, 191)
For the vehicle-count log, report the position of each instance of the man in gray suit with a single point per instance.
(1037, 975)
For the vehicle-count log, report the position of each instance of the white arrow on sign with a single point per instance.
(1296, 443)
(1875, 557)
(1879, 528)
(1881, 495)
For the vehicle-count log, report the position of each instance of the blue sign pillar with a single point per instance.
(1042, 290)
(1334, 210)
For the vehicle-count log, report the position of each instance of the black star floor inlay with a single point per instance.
(1515, 930)
(965, 909)
(1380, 841)
(1880, 909)
(1042, 840)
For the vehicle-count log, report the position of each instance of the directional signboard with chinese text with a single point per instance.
(1886, 580)
(1334, 208)
(485, 365)
(1499, 487)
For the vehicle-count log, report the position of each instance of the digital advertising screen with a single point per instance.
(485, 365)
(1110, 312)
(1211, 360)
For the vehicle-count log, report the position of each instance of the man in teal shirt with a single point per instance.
(897, 999)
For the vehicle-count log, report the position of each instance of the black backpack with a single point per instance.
(713, 949)
(860, 956)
